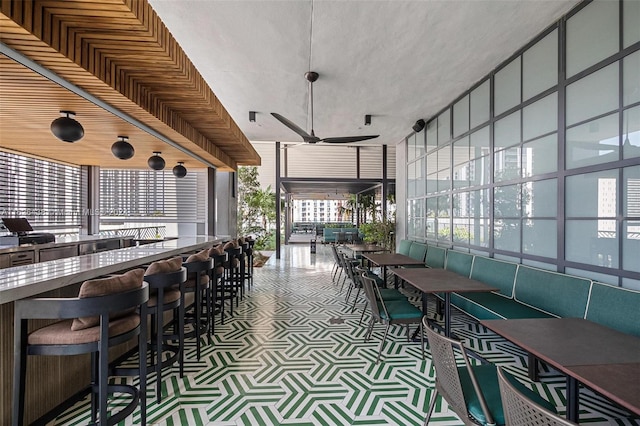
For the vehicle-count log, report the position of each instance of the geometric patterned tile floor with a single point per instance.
(283, 359)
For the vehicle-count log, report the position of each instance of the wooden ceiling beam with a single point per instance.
(120, 52)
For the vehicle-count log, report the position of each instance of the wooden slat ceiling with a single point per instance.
(120, 52)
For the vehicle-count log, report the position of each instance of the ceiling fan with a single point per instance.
(311, 137)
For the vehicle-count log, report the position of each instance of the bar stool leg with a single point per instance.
(19, 370)
(103, 368)
(94, 383)
(181, 334)
(142, 365)
(158, 327)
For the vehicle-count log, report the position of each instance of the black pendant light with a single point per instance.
(66, 128)
(180, 170)
(122, 149)
(155, 161)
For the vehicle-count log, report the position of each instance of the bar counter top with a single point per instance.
(20, 282)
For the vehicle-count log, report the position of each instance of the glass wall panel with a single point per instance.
(541, 265)
(479, 203)
(540, 198)
(479, 104)
(540, 118)
(540, 66)
(432, 162)
(507, 131)
(630, 283)
(506, 234)
(420, 143)
(507, 87)
(443, 222)
(461, 204)
(631, 17)
(631, 200)
(411, 147)
(592, 242)
(432, 207)
(461, 175)
(420, 182)
(444, 158)
(592, 35)
(444, 127)
(461, 217)
(411, 180)
(593, 95)
(480, 171)
(479, 212)
(507, 164)
(444, 180)
(432, 135)
(594, 142)
(461, 151)
(461, 116)
(506, 201)
(631, 133)
(432, 183)
(631, 78)
(540, 156)
(479, 142)
(592, 194)
(596, 276)
(631, 245)
(540, 237)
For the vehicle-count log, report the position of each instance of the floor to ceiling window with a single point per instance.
(540, 161)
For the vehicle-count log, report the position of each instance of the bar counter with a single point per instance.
(51, 380)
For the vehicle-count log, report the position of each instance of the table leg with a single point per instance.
(384, 275)
(424, 303)
(447, 314)
(573, 399)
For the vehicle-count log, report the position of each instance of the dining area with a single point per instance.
(586, 350)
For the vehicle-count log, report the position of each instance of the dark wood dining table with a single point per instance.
(365, 248)
(433, 280)
(385, 260)
(605, 360)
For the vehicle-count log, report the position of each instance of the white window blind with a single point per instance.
(44, 192)
(149, 193)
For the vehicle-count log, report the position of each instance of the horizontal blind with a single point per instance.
(150, 193)
(44, 192)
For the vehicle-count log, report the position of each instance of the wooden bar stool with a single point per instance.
(103, 315)
(232, 280)
(219, 257)
(199, 266)
(167, 280)
(249, 240)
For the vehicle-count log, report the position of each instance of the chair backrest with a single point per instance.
(373, 296)
(615, 307)
(447, 376)
(520, 410)
(496, 273)
(552, 292)
(418, 251)
(436, 257)
(404, 247)
(459, 262)
(348, 266)
(334, 251)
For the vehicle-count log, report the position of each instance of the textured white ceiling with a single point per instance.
(397, 60)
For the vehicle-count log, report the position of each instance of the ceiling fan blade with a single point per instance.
(348, 139)
(290, 124)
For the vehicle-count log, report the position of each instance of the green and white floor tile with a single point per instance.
(293, 354)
